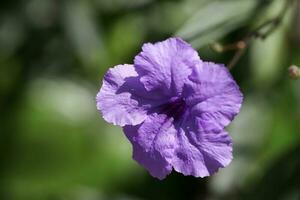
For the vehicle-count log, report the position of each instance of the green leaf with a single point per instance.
(268, 56)
(216, 19)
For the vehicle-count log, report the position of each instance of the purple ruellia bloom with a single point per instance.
(173, 108)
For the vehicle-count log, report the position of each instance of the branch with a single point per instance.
(261, 32)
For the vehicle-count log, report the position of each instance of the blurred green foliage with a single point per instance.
(54, 143)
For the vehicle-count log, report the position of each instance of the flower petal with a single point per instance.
(153, 143)
(213, 96)
(158, 146)
(202, 154)
(165, 66)
(116, 102)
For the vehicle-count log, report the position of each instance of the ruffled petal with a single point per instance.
(213, 96)
(153, 144)
(159, 145)
(165, 66)
(117, 100)
(202, 154)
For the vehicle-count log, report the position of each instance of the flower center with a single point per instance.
(174, 108)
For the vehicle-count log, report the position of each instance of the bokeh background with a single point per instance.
(56, 146)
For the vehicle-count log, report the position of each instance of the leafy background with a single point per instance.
(55, 145)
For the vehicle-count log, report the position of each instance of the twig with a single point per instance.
(261, 32)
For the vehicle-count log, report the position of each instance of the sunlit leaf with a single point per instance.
(215, 20)
(268, 55)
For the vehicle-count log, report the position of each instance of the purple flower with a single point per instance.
(173, 108)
